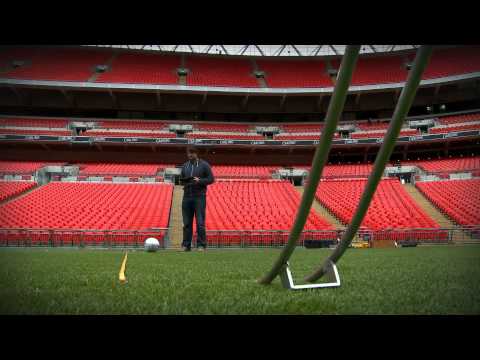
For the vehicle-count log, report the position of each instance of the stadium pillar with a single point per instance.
(335, 108)
(401, 110)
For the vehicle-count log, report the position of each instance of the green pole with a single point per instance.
(401, 110)
(335, 108)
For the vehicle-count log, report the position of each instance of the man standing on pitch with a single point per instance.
(196, 175)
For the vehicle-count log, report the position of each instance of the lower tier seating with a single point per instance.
(270, 206)
(9, 189)
(98, 207)
(459, 199)
(391, 207)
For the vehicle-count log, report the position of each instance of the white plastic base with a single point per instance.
(331, 275)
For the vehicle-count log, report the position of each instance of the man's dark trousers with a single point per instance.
(194, 205)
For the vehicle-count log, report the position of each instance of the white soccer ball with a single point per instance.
(152, 245)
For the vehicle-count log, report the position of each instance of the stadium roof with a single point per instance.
(264, 50)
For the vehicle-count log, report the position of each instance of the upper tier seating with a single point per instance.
(120, 169)
(454, 128)
(295, 73)
(377, 70)
(208, 71)
(56, 64)
(243, 171)
(255, 205)
(9, 189)
(453, 61)
(22, 167)
(142, 69)
(391, 207)
(78, 64)
(456, 119)
(34, 122)
(459, 199)
(449, 165)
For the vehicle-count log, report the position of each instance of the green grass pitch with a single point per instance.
(422, 280)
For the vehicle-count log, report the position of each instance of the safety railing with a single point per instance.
(327, 238)
(80, 237)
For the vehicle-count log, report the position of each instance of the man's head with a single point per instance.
(192, 153)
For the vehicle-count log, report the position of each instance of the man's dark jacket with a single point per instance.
(197, 168)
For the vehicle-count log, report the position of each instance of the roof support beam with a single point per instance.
(260, 50)
(333, 49)
(225, 50)
(298, 52)
(317, 50)
(373, 49)
(245, 48)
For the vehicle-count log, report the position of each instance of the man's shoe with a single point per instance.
(186, 249)
(202, 249)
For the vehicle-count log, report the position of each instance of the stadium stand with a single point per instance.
(239, 136)
(22, 167)
(89, 206)
(457, 119)
(34, 122)
(128, 134)
(445, 130)
(295, 74)
(36, 132)
(449, 165)
(373, 126)
(243, 172)
(208, 71)
(459, 199)
(10, 189)
(377, 70)
(381, 134)
(132, 124)
(120, 169)
(58, 64)
(254, 205)
(142, 69)
(299, 128)
(222, 127)
(391, 207)
(453, 61)
(343, 171)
